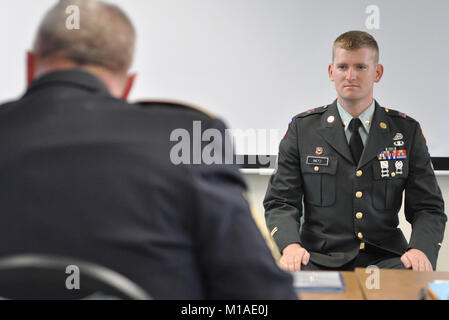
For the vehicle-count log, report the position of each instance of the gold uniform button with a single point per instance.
(387, 110)
(359, 215)
(362, 246)
(316, 169)
(383, 125)
(358, 194)
(393, 174)
(359, 173)
(360, 235)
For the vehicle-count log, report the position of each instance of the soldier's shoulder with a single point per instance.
(397, 114)
(311, 112)
(176, 107)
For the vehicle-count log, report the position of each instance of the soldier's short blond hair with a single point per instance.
(353, 40)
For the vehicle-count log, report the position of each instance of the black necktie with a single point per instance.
(355, 143)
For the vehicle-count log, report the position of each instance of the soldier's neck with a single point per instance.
(355, 107)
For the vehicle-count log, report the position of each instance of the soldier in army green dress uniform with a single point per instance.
(344, 167)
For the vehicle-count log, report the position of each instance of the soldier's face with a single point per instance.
(354, 73)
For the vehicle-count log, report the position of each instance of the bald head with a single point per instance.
(106, 37)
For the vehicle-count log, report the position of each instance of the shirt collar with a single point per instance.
(73, 78)
(366, 117)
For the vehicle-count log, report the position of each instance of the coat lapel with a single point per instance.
(333, 132)
(379, 136)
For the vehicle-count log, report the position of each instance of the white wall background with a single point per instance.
(257, 63)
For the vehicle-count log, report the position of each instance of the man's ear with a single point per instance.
(31, 67)
(379, 73)
(330, 70)
(129, 84)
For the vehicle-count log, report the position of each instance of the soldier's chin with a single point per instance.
(350, 96)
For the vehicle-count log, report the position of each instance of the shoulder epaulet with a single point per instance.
(312, 111)
(174, 105)
(399, 114)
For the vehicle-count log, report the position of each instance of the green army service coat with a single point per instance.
(346, 205)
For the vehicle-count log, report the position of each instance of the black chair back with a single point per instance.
(38, 277)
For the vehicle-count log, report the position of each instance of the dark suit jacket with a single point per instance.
(336, 217)
(88, 176)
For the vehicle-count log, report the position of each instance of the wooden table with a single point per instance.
(397, 284)
(393, 285)
(352, 291)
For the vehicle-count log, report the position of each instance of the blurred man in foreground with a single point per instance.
(84, 174)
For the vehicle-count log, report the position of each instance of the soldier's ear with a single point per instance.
(129, 85)
(379, 72)
(31, 67)
(330, 70)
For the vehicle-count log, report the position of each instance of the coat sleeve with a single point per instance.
(424, 206)
(234, 259)
(283, 199)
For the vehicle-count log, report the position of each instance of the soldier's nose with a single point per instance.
(350, 74)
